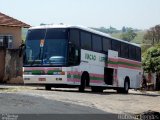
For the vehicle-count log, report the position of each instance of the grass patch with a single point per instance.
(138, 39)
(4, 90)
(116, 35)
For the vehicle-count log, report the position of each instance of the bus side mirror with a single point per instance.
(21, 49)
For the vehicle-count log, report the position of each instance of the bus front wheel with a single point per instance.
(84, 80)
(82, 85)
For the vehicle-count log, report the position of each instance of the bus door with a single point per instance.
(112, 64)
(108, 76)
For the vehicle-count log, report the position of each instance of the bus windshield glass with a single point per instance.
(46, 47)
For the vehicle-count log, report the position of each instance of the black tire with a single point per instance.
(97, 89)
(83, 83)
(47, 87)
(125, 89)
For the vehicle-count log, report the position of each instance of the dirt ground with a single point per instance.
(70, 100)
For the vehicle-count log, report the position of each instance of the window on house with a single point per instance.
(1, 40)
(10, 39)
(6, 41)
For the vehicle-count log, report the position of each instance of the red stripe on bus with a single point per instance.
(113, 65)
(78, 80)
(123, 66)
(124, 60)
(129, 67)
(96, 75)
(73, 80)
(91, 74)
(96, 81)
(73, 72)
(130, 61)
(113, 59)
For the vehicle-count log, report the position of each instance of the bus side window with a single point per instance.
(116, 46)
(132, 52)
(74, 37)
(96, 43)
(138, 54)
(124, 50)
(86, 40)
(74, 55)
(106, 44)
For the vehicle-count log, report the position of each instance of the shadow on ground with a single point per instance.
(103, 93)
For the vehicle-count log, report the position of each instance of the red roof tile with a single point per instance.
(9, 21)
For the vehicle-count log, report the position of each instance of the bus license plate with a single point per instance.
(42, 79)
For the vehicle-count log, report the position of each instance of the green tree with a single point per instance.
(112, 30)
(129, 35)
(151, 59)
(124, 29)
(109, 30)
(152, 36)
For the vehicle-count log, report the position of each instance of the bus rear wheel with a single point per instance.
(125, 89)
(47, 87)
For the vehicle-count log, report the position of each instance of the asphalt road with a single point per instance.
(17, 103)
(36, 100)
(21, 103)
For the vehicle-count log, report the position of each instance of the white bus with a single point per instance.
(77, 56)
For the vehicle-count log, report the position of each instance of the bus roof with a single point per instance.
(82, 28)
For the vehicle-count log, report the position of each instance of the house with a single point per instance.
(10, 40)
(10, 31)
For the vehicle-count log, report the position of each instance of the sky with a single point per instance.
(141, 14)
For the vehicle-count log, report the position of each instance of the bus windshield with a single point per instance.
(46, 47)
